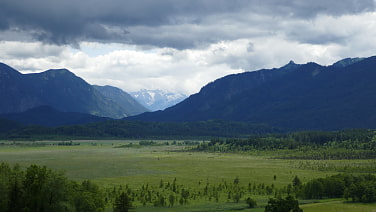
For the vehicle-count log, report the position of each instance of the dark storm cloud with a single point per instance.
(172, 23)
(308, 9)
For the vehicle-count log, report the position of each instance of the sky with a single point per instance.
(180, 45)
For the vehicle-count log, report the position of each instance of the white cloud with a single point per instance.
(131, 69)
(224, 43)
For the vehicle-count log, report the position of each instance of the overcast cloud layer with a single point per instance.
(180, 45)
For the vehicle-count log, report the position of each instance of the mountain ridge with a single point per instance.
(58, 88)
(308, 96)
(120, 97)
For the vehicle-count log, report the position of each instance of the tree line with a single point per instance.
(120, 129)
(346, 144)
(357, 188)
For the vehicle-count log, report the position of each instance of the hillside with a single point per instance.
(57, 88)
(308, 96)
(48, 116)
(122, 98)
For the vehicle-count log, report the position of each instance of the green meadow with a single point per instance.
(136, 166)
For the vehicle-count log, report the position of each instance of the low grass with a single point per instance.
(224, 207)
(339, 206)
(100, 162)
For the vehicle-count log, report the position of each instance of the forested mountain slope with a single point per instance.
(60, 89)
(308, 96)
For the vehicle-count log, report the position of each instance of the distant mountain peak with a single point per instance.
(291, 66)
(157, 99)
(61, 71)
(58, 73)
(347, 61)
(5, 68)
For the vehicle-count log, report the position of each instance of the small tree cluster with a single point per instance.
(289, 204)
(361, 188)
(170, 193)
(42, 189)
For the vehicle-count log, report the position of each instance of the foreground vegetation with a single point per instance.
(252, 174)
(42, 189)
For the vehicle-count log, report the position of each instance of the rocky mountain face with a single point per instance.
(156, 100)
(59, 89)
(308, 96)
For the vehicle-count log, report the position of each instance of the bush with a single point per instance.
(251, 202)
(283, 205)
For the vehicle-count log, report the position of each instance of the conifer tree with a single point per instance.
(122, 203)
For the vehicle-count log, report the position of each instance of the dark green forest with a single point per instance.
(346, 144)
(121, 129)
(238, 135)
(41, 189)
(357, 188)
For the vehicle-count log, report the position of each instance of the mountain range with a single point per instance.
(297, 96)
(63, 91)
(156, 100)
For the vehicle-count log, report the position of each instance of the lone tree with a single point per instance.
(296, 183)
(122, 203)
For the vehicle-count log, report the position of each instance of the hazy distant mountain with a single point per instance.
(120, 97)
(57, 88)
(157, 99)
(308, 96)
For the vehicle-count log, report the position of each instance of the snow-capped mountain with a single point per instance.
(157, 99)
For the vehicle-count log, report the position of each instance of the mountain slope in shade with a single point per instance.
(157, 99)
(57, 88)
(7, 125)
(48, 116)
(308, 96)
(120, 97)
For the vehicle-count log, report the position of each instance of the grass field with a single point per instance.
(100, 162)
(339, 206)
